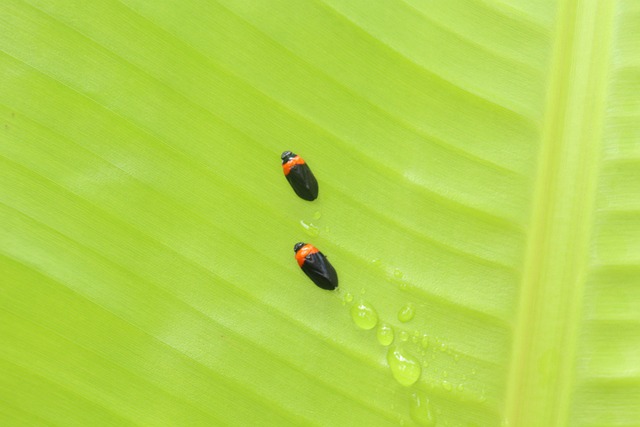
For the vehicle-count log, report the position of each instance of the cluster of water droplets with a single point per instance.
(408, 351)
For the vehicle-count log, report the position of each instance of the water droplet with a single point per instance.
(443, 347)
(460, 387)
(416, 337)
(406, 313)
(420, 410)
(404, 336)
(404, 367)
(348, 297)
(310, 229)
(447, 385)
(364, 315)
(317, 215)
(445, 374)
(425, 341)
(398, 274)
(385, 334)
(456, 357)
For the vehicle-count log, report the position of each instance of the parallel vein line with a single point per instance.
(424, 69)
(231, 382)
(257, 254)
(70, 390)
(485, 98)
(94, 352)
(488, 49)
(293, 113)
(207, 172)
(357, 258)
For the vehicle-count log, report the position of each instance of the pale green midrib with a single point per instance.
(556, 260)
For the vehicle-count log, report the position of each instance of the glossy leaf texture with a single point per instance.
(478, 164)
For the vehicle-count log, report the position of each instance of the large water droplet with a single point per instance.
(385, 334)
(310, 229)
(405, 368)
(420, 410)
(364, 315)
(407, 312)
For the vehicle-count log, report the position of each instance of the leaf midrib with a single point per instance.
(556, 262)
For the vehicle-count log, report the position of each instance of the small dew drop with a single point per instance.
(348, 297)
(443, 347)
(385, 334)
(406, 313)
(398, 274)
(317, 215)
(445, 374)
(456, 357)
(425, 341)
(404, 336)
(416, 337)
(420, 410)
(364, 315)
(447, 385)
(460, 387)
(310, 229)
(405, 368)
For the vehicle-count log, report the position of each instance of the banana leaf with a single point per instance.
(478, 165)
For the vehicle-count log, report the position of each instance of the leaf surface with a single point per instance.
(477, 160)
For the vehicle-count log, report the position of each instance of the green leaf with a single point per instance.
(477, 160)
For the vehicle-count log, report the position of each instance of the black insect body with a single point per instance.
(300, 177)
(316, 266)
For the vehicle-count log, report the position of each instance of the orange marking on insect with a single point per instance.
(297, 160)
(304, 251)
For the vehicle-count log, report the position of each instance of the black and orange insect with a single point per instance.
(299, 176)
(316, 266)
